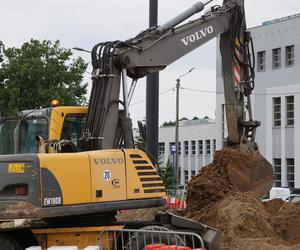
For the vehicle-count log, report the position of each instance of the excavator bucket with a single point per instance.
(248, 170)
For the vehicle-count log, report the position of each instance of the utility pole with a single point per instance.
(177, 125)
(177, 131)
(152, 94)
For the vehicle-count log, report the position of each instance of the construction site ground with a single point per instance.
(245, 221)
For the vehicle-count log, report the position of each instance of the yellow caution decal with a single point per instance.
(16, 168)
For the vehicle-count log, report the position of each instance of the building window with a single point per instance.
(207, 142)
(277, 58)
(186, 147)
(277, 172)
(290, 172)
(214, 144)
(290, 110)
(200, 147)
(193, 172)
(261, 61)
(161, 148)
(186, 177)
(193, 147)
(289, 56)
(276, 111)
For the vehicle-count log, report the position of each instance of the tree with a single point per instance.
(168, 124)
(1, 60)
(173, 123)
(36, 73)
(1, 51)
(166, 174)
(141, 137)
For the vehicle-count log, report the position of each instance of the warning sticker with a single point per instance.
(106, 175)
(16, 168)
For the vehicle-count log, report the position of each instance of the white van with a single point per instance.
(277, 193)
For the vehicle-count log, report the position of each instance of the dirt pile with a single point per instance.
(232, 170)
(244, 220)
(248, 223)
(140, 214)
(211, 185)
(286, 223)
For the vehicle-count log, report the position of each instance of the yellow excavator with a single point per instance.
(64, 164)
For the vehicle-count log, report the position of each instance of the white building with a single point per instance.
(276, 99)
(197, 143)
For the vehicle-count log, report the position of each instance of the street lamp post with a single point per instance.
(177, 123)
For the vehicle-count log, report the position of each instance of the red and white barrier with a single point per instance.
(175, 202)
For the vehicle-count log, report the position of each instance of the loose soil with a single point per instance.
(244, 220)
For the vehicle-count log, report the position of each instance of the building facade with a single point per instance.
(276, 98)
(197, 143)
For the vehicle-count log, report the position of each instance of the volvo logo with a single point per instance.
(109, 161)
(197, 35)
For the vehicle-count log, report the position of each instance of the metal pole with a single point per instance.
(177, 126)
(125, 92)
(152, 93)
(177, 130)
(173, 173)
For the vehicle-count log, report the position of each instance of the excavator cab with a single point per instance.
(20, 135)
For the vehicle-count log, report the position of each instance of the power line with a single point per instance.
(162, 93)
(222, 93)
(215, 92)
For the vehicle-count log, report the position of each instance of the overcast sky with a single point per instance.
(83, 23)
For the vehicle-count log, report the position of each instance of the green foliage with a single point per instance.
(168, 124)
(140, 138)
(1, 51)
(139, 142)
(195, 118)
(36, 73)
(173, 123)
(166, 174)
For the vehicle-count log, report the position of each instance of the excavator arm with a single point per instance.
(154, 49)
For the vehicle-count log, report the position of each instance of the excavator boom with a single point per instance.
(154, 49)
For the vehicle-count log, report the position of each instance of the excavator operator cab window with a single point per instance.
(8, 135)
(29, 129)
(18, 135)
(72, 128)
